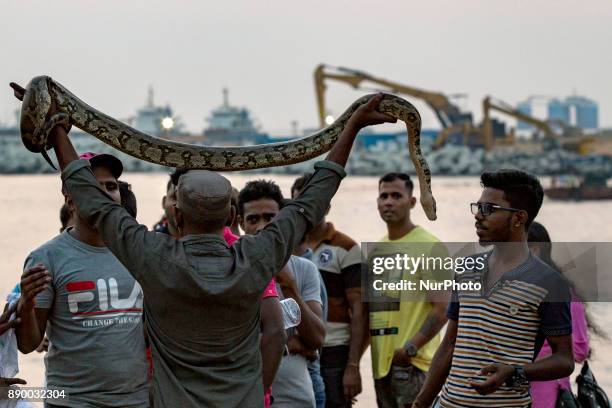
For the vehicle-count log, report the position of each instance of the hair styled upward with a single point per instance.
(522, 190)
(299, 184)
(391, 177)
(258, 189)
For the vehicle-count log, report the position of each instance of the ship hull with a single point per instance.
(579, 193)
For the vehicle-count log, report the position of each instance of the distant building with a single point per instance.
(586, 112)
(559, 112)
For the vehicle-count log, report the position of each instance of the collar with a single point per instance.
(203, 239)
(513, 274)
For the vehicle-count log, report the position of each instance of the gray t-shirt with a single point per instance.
(292, 386)
(97, 350)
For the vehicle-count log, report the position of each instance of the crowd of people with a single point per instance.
(188, 313)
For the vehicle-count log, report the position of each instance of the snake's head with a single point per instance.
(34, 114)
(430, 208)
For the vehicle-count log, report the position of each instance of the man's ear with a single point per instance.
(178, 218)
(412, 202)
(164, 202)
(521, 217)
(70, 205)
(328, 208)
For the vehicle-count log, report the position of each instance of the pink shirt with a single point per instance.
(544, 393)
(270, 290)
(230, 238)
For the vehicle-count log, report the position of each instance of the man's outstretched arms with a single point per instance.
(276, 242)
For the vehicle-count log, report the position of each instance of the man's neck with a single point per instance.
(510, 252)
(317, 235)
(86, 234)
(200, 231)
(397, 231)
(507, 256)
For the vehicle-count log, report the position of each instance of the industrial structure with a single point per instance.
(458, 127)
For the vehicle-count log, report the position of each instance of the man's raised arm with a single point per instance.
(276, 242)
(128, 240)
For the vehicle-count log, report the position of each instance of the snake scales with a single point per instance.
(36, 125)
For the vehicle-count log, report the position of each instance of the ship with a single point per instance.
(156, 120)
(592, 186)
(232, 126)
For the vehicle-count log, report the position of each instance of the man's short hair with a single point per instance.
(391, 177)
(128, 198)
(522, 190)
(175, 176)
(258, 189)
(299, 183)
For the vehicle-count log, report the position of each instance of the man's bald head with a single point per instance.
(204, 199)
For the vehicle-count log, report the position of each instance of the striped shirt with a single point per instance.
(507, 324)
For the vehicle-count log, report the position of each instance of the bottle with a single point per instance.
(292, 316)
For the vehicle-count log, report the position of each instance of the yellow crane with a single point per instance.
(454, 122)
(448, 113)
(509, 138)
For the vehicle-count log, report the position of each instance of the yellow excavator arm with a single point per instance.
(489, 104)
(447, 113)
(454, 122)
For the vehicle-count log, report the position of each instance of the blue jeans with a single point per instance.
(314, 368)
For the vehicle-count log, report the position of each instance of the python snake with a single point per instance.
(42, 91)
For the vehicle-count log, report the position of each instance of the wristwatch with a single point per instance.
(411, 349)
(518, 379)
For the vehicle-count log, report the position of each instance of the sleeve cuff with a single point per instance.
(557, 331)
(329, 165)
(73, 167)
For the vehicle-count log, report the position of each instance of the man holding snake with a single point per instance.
(201, 296)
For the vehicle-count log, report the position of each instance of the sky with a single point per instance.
(109, 52)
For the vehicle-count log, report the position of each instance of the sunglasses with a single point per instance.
(487, 208)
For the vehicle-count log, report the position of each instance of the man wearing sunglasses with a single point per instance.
(486, 357)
